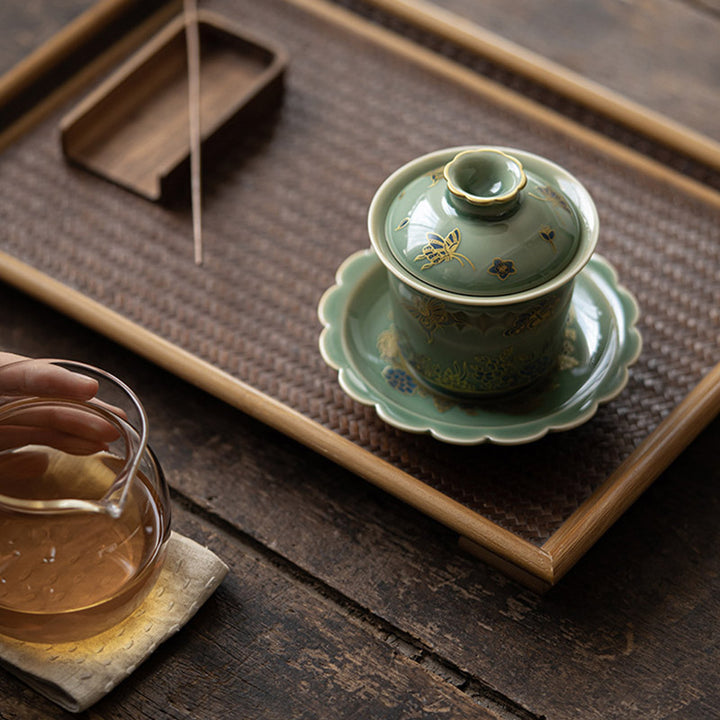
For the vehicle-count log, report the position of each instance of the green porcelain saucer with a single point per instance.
(601, 342)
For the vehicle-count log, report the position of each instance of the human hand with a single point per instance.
(20, 375)
(75, 429)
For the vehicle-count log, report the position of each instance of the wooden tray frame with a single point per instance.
(565, 82)
(538, 567)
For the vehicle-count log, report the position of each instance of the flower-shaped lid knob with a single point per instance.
(482, 223)
(485, 182)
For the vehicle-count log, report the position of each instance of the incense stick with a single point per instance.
(192, 38)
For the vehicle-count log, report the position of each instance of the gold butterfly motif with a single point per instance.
(442, 249)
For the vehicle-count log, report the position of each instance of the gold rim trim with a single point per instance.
(480, 200)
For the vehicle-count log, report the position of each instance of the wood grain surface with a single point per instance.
(33, 24)
(628, 634)
(662, 54)
(343, 602)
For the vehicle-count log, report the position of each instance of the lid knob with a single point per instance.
(485, 182)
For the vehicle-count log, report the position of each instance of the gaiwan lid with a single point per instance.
(485, 222)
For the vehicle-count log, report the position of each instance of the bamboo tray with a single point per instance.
(286, 205)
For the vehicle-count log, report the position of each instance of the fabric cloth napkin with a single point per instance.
(75, 675)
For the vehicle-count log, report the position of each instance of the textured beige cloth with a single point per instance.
(75, 675)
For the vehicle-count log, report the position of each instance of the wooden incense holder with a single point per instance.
(133, 129)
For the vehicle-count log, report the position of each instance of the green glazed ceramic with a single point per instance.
(360, 340)
(482, 245)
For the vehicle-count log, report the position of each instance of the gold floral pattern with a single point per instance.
(433, 315)
(502, 268)
(396, 373)
(568, 356)
(436, 175)
(387, 345)
(536, 315)
(548, 235)
(481, 373)
(547, 194)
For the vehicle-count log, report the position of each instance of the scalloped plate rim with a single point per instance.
(349, 379)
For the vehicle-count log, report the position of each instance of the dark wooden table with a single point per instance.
(342, 602)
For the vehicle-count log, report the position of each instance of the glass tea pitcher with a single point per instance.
(84, 506)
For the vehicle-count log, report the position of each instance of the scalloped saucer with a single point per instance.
(601, 342)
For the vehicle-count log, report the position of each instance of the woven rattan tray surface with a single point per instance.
(286, 204)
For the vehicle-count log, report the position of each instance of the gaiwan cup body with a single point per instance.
(482, 246)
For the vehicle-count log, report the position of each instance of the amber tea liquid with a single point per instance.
(68, 576)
